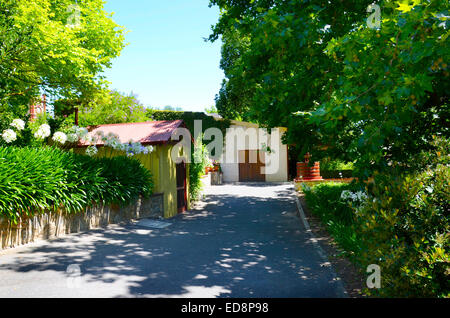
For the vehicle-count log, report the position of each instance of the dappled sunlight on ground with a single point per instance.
(243, 241)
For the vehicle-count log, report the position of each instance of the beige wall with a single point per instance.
(248, 136)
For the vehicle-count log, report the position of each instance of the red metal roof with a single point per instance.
(147, 133)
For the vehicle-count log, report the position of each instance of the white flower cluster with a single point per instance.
(72, 138)
(60, 137)
(91, 151)
(355, 197)
(112, 140)
(76, 133)
(9, 136)
(19, 124)
(42, 132)
(135, 148)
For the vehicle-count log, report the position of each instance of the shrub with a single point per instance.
(335, 165)
(403, 226)
(199, 161)
(406, 232)
(324, 200)
(34, 180)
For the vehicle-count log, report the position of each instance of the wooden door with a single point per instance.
(181, 187)
(250, 165)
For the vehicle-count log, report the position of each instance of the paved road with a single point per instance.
(245, 241)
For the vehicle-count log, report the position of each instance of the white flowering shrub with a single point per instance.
(19, 124)
(356, 199)
(60, 137)
(91, 151)
(42, 132)
(72, 138)
(9, 136)
(76, 134)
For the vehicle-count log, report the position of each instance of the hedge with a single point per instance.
(189, 119)
(36, 180)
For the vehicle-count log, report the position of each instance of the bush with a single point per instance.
(34, 180)
(324, 201)
(336, 174)
(335, 165)
(403, 226)
(406, 232)
(199, 161)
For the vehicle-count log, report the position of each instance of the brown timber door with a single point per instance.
(250, 165)
(181, 188)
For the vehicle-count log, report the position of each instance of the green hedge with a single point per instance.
(35, 180)
(336, 174)
(324, 200)
(189, 119)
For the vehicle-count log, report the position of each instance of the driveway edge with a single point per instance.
(340, 287)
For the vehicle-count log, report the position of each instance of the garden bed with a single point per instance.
(352, 278)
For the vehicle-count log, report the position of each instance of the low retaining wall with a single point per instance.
(55, 224)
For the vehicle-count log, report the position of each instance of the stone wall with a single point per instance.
(55, 224)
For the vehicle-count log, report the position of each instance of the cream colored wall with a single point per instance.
(230, 158)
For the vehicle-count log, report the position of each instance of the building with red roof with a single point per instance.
(170, 178)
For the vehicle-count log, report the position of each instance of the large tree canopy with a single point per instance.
(372, 94)
(57, 46)
(112, 107)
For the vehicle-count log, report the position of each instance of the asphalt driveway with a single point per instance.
(245, 240)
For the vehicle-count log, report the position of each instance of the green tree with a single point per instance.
(112, 107)
(57, 46)
(343, 89)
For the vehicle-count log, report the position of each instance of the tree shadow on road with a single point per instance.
(235, 246)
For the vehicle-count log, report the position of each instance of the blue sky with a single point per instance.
(167, 62)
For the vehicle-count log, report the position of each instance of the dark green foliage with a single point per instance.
(404, 227)
(317, 68)
(189, 119)
(324, 200)
(34, 180)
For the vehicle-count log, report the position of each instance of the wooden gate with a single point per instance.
(250, 165)
(181, 187)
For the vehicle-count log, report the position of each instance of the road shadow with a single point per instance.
(242, 245)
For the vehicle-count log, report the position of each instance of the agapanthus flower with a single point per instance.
(91, 151)
(89, 139)
(60, 137)
(42, 132)
(81, 132)
(9, 136)
(72, 138)
(19, 124)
